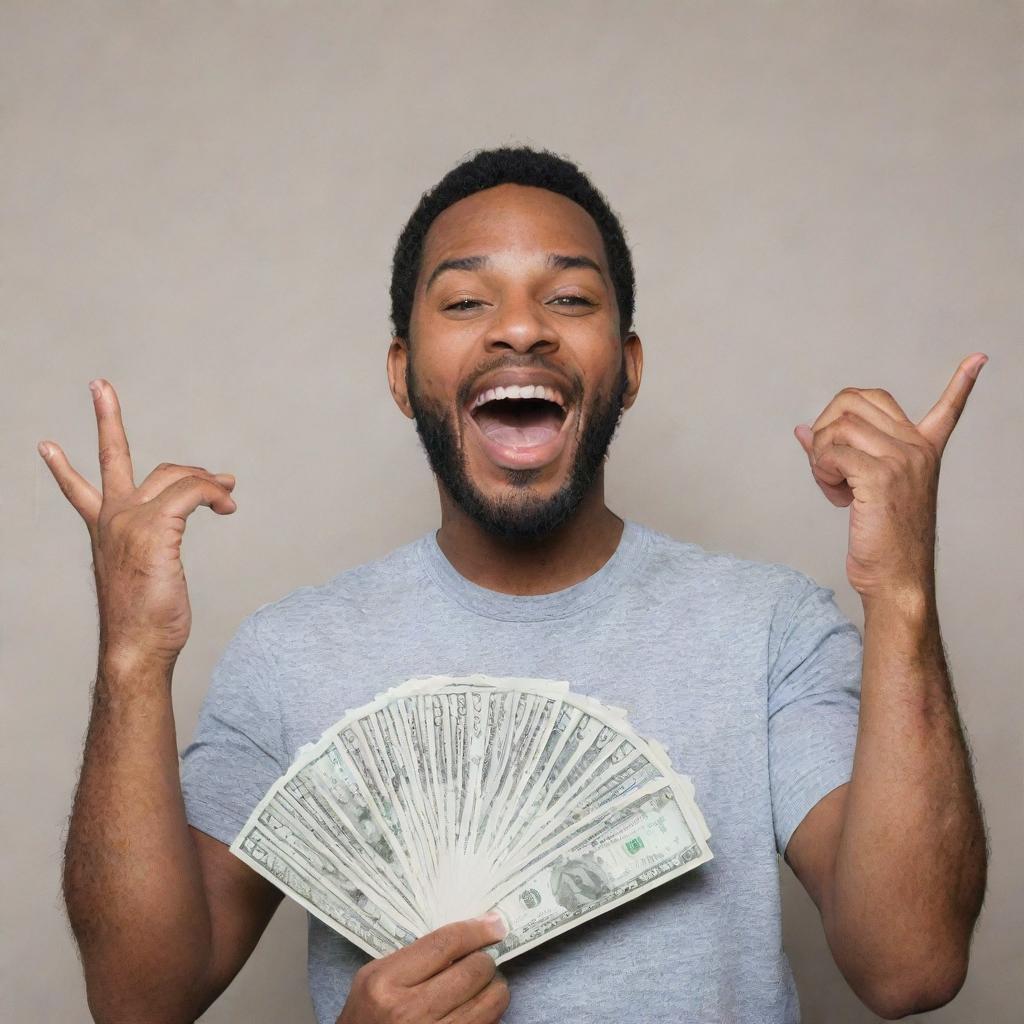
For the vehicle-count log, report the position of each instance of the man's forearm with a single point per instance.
(910, 866)
(132, 881)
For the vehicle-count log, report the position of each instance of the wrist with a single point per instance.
(130, 664)
(904, 624)
(910, 606)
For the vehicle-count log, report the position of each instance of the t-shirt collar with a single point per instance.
(534, 607)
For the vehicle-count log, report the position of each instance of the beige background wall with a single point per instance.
(200, 200)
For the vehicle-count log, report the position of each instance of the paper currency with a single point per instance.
(447, 797)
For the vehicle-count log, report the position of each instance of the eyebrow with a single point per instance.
(554, 261)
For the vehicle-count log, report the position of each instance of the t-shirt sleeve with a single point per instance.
(813, 703)
(236, 750)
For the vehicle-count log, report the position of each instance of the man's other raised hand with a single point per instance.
(136, 536)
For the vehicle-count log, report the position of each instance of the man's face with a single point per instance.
(520, 467)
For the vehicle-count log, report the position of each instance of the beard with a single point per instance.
(523, 515)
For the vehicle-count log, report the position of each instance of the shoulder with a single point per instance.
(725, 576)
(302, 614)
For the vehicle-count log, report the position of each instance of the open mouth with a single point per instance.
(521, 432)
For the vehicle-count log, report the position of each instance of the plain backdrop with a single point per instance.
(200, 203)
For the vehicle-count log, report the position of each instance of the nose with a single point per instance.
(520, 325)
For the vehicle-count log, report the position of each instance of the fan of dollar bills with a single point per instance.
(447, 797)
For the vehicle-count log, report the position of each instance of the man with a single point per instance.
(846, 757)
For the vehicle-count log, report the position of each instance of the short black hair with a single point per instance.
(520, 165)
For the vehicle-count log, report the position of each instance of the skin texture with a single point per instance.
(895, 860)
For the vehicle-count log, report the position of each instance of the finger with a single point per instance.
(83, 496)
(167, 472)
(456, 984)
(885, 402)
(841, 464)
(486, 1007)
(851, 429)
(433, 952)
(942, 417)
(184, 496)
(839, 494)
(115, 459)
(852, 400)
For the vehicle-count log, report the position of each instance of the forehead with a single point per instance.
(512, 218)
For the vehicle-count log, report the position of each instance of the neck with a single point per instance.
(574, 551)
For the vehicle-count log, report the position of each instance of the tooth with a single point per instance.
(520, 391)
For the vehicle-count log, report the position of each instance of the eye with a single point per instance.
(465, 304)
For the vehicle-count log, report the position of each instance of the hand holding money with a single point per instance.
(443, 976)
(136, 536)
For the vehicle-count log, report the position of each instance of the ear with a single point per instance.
(633, 354)
(398, 362)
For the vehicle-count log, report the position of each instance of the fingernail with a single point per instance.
(94, 387)
(976, 369)
(44, 449)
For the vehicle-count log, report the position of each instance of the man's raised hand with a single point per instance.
(865, 452)
(136, 536)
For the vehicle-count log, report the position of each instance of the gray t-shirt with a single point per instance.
(746, 671)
